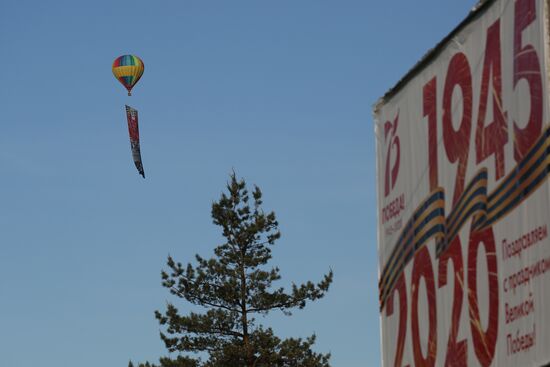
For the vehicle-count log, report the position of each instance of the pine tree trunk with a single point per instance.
(246, 340)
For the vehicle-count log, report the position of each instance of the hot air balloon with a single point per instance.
(128, 69)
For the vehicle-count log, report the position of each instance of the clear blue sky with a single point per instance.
(280, 91)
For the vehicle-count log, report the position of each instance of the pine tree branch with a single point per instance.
(283, 305)
(217, 332)
(203, 301)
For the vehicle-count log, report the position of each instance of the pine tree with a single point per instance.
(234, 286)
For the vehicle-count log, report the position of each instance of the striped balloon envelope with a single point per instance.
(128, 69)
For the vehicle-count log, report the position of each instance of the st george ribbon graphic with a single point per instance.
(133, 130)
(429, 221)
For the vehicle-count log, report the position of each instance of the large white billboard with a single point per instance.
(463, 153)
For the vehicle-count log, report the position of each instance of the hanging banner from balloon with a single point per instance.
(133, 130)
